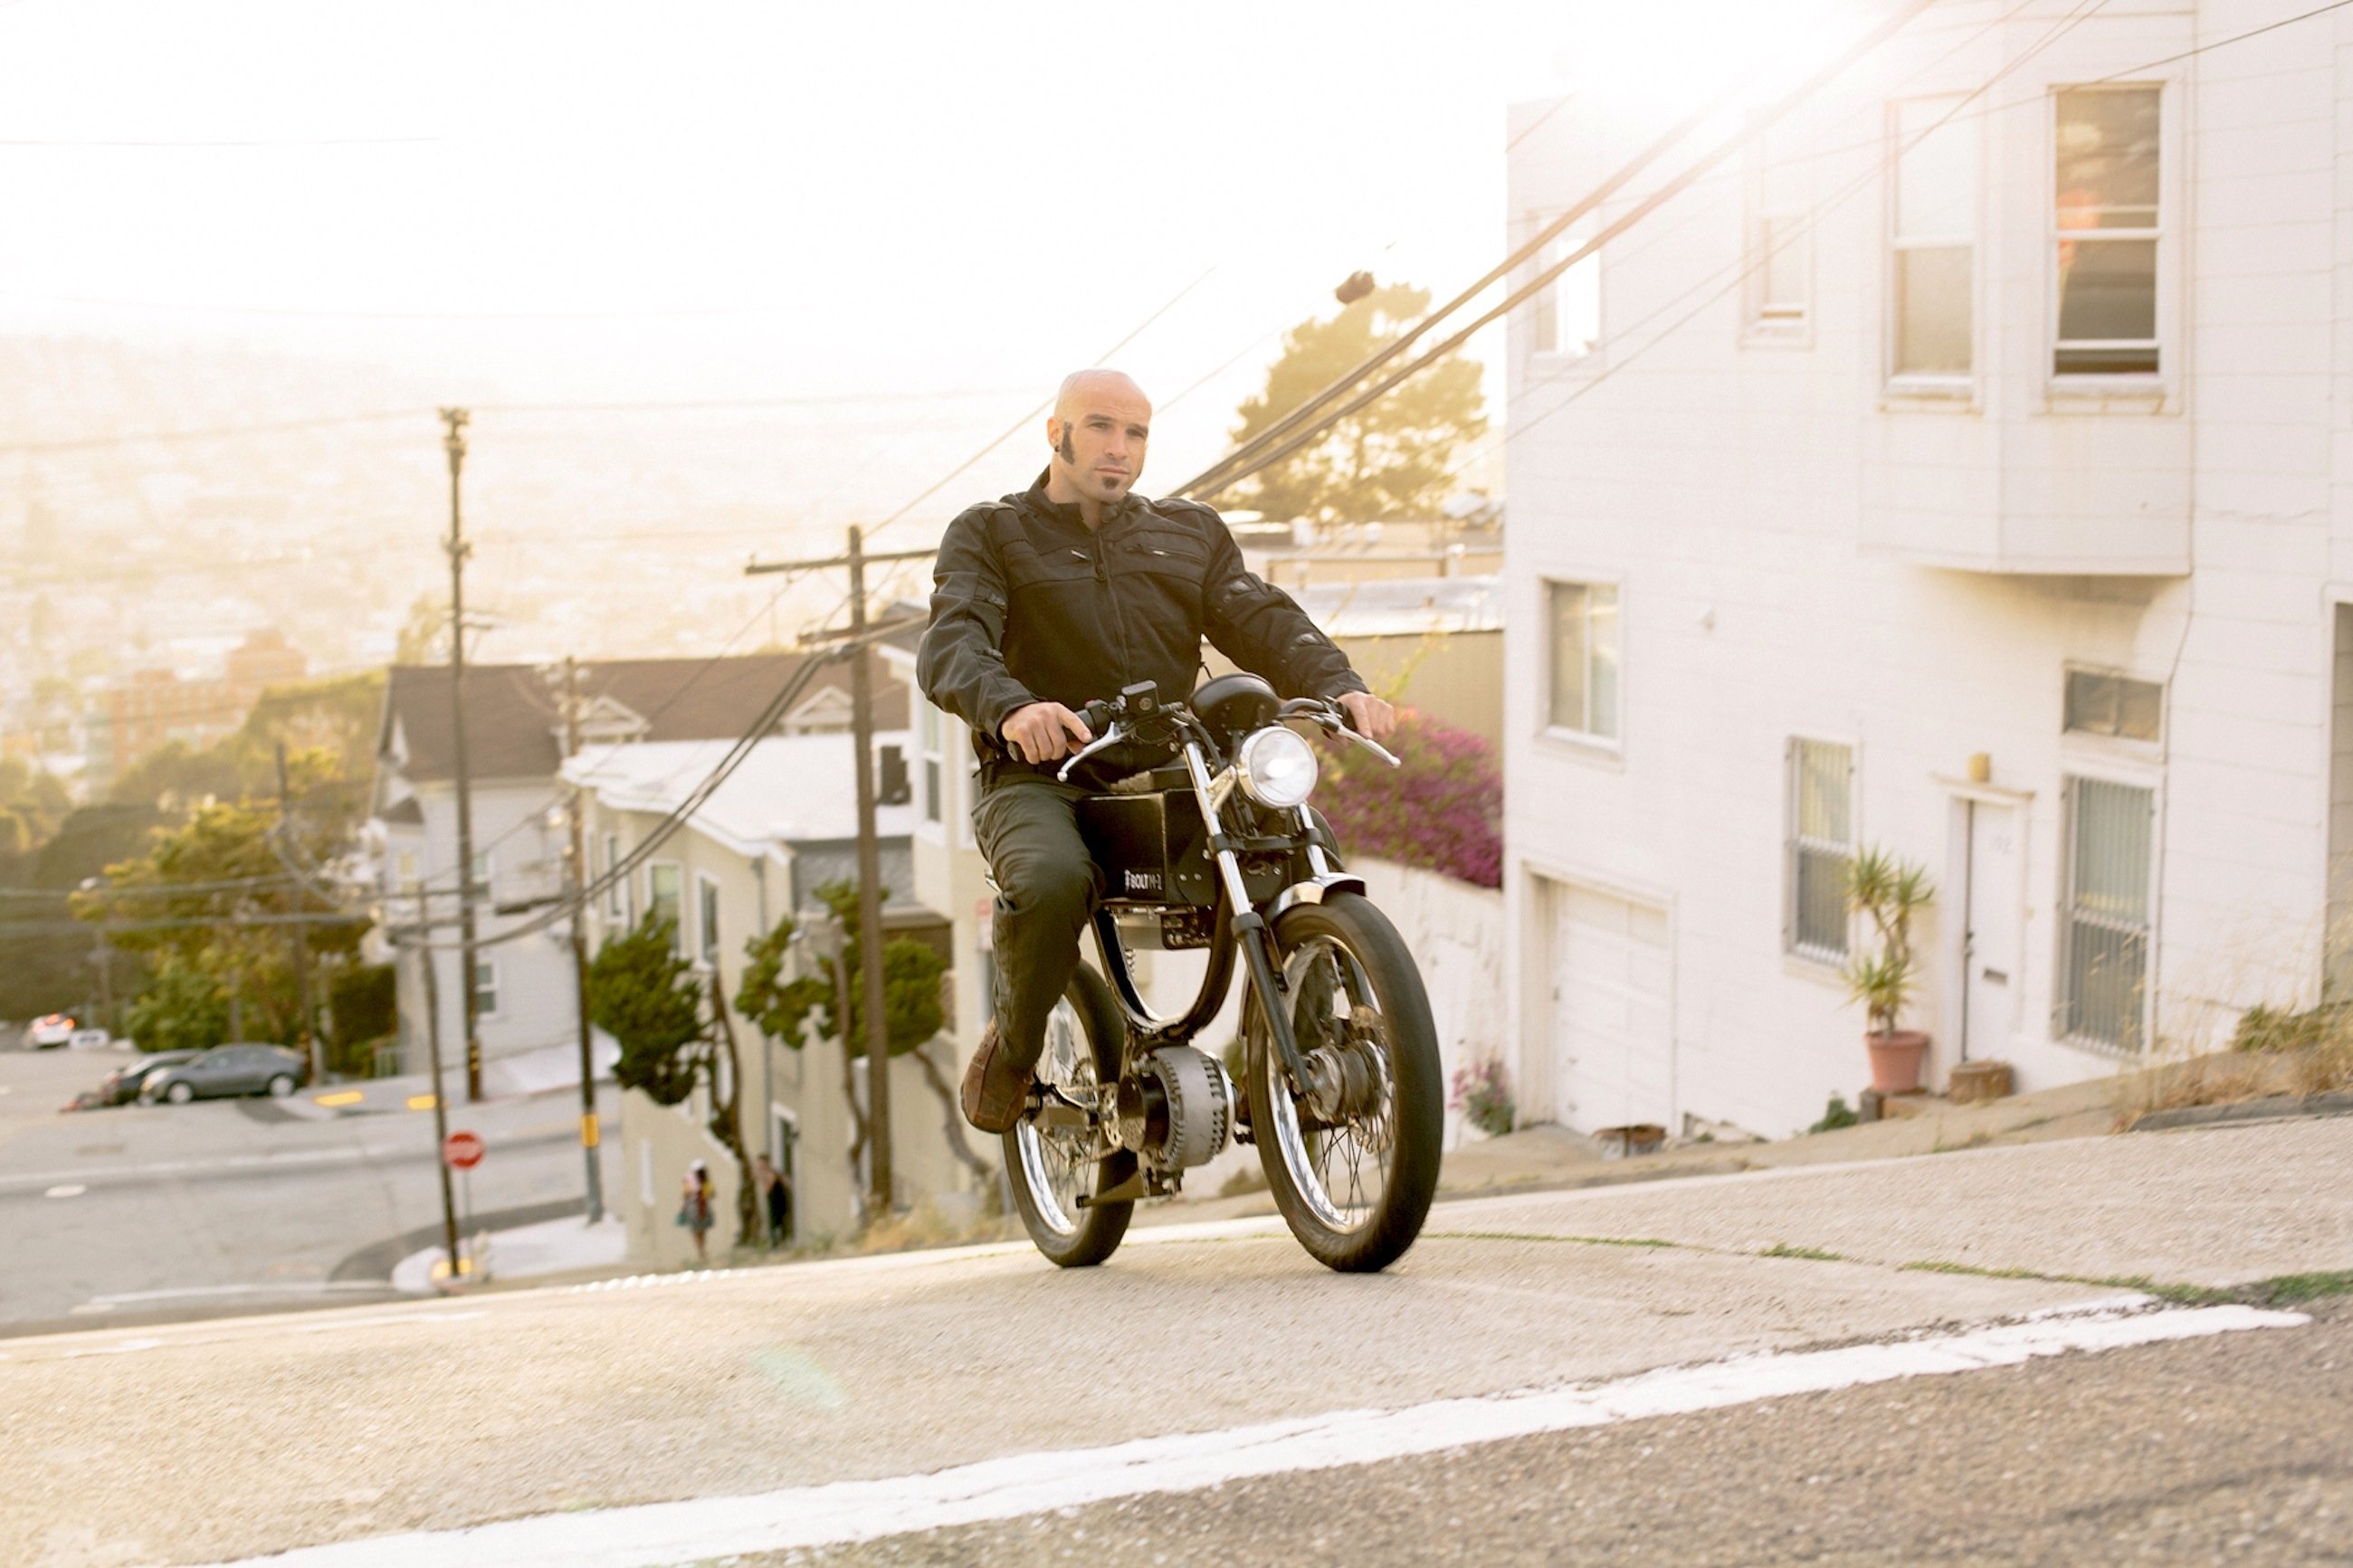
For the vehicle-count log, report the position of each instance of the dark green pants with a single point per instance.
(1047, 885)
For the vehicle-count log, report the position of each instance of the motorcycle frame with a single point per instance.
(1238, 929)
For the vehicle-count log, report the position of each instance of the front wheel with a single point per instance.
(179, 1093)
(1352, 1160)
(1051, 1166)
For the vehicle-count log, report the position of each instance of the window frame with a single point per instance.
(2064, 1005)
(1759, 211)
(1548, 724)
(931, 763)
(491, 965)
(677, 893)
(708, 895)
(2066, 384)
(617, 891)
(1576, 235)
(2130, 745)
(1795, 844)
(1946, 385)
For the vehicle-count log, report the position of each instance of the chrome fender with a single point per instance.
(1312, 891)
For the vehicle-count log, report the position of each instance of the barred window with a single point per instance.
(1820, 846)
(2104, 971)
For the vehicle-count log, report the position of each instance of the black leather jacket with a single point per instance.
(1028, 606)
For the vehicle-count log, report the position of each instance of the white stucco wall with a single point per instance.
(1784, 539)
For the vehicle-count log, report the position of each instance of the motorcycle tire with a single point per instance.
(1407, 1163)
(1073, 1236)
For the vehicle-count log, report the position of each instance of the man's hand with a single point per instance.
(1045, 732)
(1369, 716)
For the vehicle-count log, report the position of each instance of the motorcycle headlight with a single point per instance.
(1276, 766)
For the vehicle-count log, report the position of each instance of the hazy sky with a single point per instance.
(566, 198)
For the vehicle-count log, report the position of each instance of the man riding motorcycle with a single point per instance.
(1046, 600)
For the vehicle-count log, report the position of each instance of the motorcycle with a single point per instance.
(1341, 1092)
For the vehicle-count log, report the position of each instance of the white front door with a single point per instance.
(1990, 986)
(1611, 1034)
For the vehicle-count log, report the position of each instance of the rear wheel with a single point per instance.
(1049, 1166)
(1353, 1162)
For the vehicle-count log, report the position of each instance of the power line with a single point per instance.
(1241, 465)
(308, 313)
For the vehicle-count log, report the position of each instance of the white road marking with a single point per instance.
(1020, 1484)
(264, 1288)
(68, 1189)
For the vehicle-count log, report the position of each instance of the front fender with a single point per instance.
(1312, 891)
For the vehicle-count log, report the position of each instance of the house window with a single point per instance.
(486, 987)
(1820, 846)
(2105, 228)
(1566, 314)
(405, 870)
(1931, 245)
(1779, 268)
(662, 900)
(2112, 705)
(929, 724)
(616, 890)
(481, 870)
(2105, 971)
(706, 919)
(1584, 657)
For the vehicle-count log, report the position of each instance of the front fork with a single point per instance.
(1251, 931)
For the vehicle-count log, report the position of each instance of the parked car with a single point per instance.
(227, 1070)
(42, 1034)
(89, 1040)
(121, 1086)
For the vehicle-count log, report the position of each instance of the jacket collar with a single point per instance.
(1067, 512)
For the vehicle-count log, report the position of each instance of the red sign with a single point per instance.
(462, 1151)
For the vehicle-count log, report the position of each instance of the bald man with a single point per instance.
(1043, 602)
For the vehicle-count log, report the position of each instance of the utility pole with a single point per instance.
(870, 856)
(309, 1036)
(577, 880)
(454, 443)
(440, 1099)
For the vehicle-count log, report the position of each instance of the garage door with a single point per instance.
(1611, 1031)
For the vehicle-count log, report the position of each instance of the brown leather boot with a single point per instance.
(995, 1090)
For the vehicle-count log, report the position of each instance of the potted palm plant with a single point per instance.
(1884, 975)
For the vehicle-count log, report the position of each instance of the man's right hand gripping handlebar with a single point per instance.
(1044, 732)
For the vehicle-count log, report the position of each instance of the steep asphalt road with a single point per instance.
(826, 1404)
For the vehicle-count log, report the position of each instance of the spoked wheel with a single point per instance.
(1050, 1165)
(1353, 1162)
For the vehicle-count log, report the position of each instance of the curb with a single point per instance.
(2273, 1107)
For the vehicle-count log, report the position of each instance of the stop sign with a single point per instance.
(462, 1151)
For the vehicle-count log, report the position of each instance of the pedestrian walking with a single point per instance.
(694, 1209)
(776, 1200)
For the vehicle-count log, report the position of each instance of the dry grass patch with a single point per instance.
(2274, 1052)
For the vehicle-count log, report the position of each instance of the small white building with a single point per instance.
(516, 736)
(1963, 470)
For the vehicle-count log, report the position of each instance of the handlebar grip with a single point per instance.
(1097, 715)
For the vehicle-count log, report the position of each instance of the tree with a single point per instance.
(183, 1009)
(425, 635)
(212, 894)
(911, 1013)
(1393, 458)
(643, 994)
(645, 997)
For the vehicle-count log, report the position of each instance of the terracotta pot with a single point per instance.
(1895, 1058)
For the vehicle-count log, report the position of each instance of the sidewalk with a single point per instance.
(1550, 1158)
(528, 1252)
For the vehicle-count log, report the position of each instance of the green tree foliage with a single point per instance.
(911, 986)
(365, 1001)
(170, 904)
(184, 1008)
(1393, 458)
(425, 635)
(643, 994)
